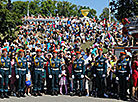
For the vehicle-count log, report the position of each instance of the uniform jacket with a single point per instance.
(123, 65)
(78, 64)
(5, 63)
(54, 63)
(100, 63)
(21, 63)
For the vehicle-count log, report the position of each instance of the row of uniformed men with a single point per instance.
(54, 70)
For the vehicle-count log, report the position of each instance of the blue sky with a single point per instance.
(98, 5)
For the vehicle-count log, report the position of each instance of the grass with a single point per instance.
(15, 35)
(105, 50)
(86, 45)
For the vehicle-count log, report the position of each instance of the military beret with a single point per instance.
(78, 52)
(55, 51)
(100, 49)
(38, 50)
(122, 53)
(21, 50)
(4, 49)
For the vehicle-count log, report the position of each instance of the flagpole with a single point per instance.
(109, 12)
(28, 9)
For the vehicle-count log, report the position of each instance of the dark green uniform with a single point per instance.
(21, 69)
(123, 71)
(38, 68)
(100, 70)
(55, 71)
(78, 70)
(44, 76)
(5, 71)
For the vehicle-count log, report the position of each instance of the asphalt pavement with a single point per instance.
(60, 98)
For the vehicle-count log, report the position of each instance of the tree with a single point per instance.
(124, 8)
(12, 12)
(135, 3)
(104, 14)
(92, 13)
(20, 8)
(34, 7)
(48, 7)
(7, 19)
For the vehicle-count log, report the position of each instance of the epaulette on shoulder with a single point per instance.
(82, 58)
(16, 57)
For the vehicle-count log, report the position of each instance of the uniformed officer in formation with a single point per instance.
(21, 69)
(55, 72)
(38, 67)
(5, 73)
(78, 73)
(122, 73)
(44, 74)
(100, 70)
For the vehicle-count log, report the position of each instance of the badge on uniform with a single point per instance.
(75, 66)
(120, 67)
(92, 63)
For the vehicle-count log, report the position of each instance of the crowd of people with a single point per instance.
(47, 57)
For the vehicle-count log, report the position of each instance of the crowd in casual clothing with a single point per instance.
(66, 36)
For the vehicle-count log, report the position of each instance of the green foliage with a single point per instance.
(34, 7)
(11, 13)
(20, 8)
(8, 20)
(125, 8)
(135, 3)
(87, 45)
(105, 13)
(49, 7)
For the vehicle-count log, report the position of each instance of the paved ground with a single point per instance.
(48, 98)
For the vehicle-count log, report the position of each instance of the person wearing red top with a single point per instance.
(135, 75)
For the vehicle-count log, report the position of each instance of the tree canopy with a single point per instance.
(124, 8)
(49, 7)
(12, 12)
(105, 13)
(8, 19)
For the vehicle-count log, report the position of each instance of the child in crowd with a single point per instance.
(28, 82)
(63, 80)
(87, 79)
